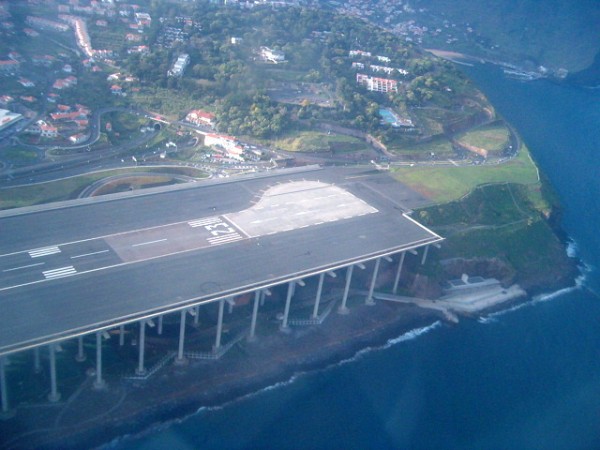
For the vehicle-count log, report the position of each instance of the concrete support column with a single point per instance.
(141, 370)
(99, 383)
(180, 359)
(54, 395)
(3, 388)
(219, 326)
(343, 309)
(257, 296)
(122, 335)
(160, 324)
(196, 316)
(80, 355)
(286, 311)
(37, 367)
(369, 300)
(398, 272)
(315, 313)
(425, 254)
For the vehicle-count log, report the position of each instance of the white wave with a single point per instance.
(487, 319)
(572, 248)
(412, 334)
(409, 335)
(579, 284)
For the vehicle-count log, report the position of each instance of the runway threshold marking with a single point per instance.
(204, 222)
(39, 252)
(60, 272)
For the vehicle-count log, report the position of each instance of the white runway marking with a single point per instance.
(24, 267)
(149, 242)
(43, 252)
(232, 237)
(61, 272)
(89, 254)
(203, 222)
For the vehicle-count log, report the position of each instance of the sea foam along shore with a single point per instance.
(296, 377)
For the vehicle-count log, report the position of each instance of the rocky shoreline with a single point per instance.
(90, 418)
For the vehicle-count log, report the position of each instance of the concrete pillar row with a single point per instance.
(160, 325)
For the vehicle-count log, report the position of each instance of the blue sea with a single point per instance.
(522, 379)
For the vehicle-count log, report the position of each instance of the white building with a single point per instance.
(7, 118)
(229, 144)
(269, 54)
(180, 65)
(377, 84)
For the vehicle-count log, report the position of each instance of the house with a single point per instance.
(78, 138)
(30, 32)
(133, 37)
(115, 89)
(25, 82)
(272, 55)
(199, 117)
(179, 66)
(9, 66)
(143, 19)
(142, 49)
(228, 144)
(48, 131)
(352, 53)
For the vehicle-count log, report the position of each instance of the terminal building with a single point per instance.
(121, 264)
(8, 118)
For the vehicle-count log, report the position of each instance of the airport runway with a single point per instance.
(88, 265)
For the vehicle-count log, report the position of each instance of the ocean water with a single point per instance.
(521, 379)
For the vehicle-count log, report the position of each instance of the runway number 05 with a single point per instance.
(217, 231)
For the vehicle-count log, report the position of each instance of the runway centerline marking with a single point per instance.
(24, 267)
(149, 242)
(90, 254)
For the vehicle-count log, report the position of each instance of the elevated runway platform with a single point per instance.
(89, 265)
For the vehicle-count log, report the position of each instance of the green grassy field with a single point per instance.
(19, 156)
(493, 137)
(314, 141)
(444, 184)
(439, 146)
